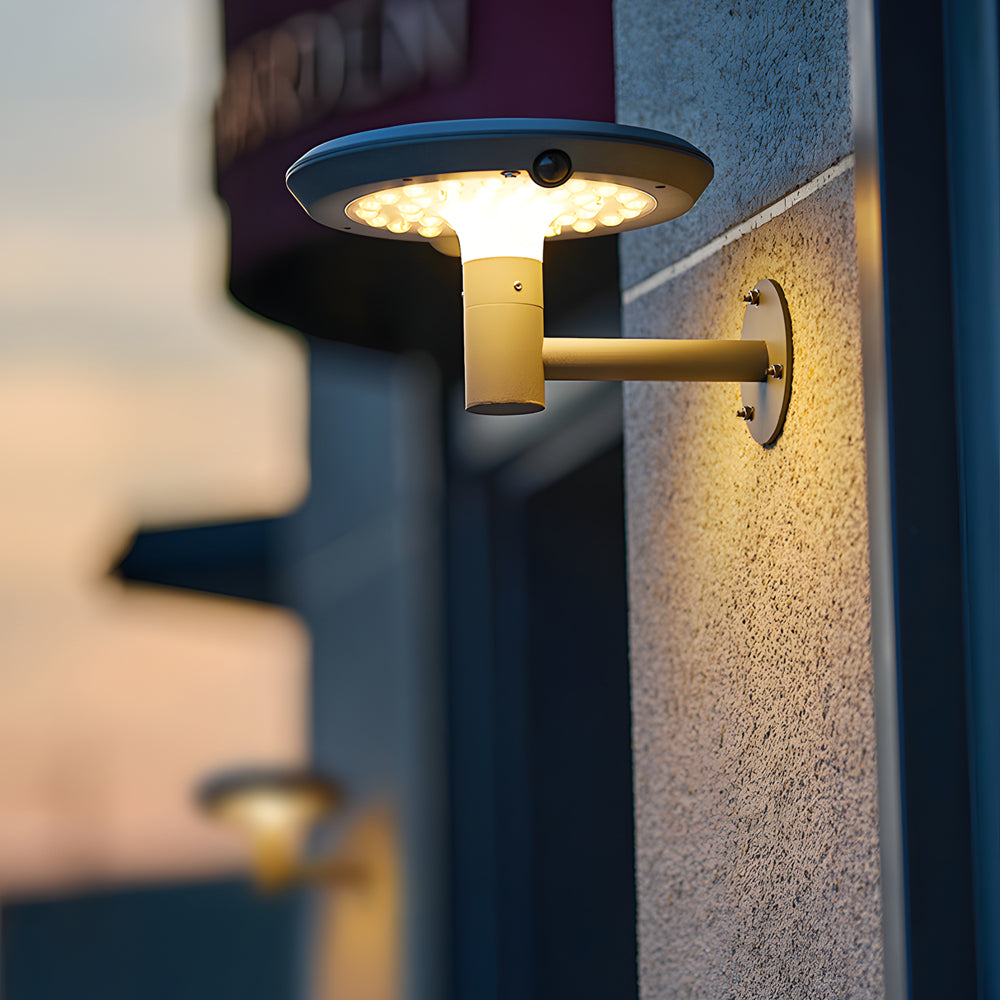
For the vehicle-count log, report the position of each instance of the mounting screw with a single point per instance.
(775, 371)
(518, 286)
(752, 297)
(510, 173)
(745, 412)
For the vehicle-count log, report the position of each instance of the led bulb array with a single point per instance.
(437, 208)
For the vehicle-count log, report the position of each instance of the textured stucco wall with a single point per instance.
(762, 87)
(756, 817)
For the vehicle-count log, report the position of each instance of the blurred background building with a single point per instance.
(244, 548)
(245, 519)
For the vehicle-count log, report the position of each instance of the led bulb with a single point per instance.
(499, 215)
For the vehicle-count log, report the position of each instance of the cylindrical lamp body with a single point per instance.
(504, 329)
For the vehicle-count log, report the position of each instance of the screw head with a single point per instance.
(509, 173)
(518, 286)
(745, 412)
(752, 297)
(775, 371)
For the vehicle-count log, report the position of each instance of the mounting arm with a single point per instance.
(589, 359)
(508, 360)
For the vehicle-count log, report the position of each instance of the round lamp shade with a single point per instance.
(414, 182)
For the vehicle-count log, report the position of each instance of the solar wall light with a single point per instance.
(493, 191)
(275, 808)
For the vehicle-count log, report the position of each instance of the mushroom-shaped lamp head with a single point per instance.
(495, 190)
(274, 808)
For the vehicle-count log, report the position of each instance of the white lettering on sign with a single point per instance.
(358, 54)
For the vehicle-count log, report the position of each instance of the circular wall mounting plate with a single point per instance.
(766, 318)
(330, 177)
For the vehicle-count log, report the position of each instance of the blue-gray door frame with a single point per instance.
(928, 202)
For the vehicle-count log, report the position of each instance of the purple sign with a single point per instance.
(299, 73)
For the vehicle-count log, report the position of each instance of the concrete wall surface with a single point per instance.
(754, 743)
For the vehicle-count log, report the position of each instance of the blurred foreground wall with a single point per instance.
(132, 397)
